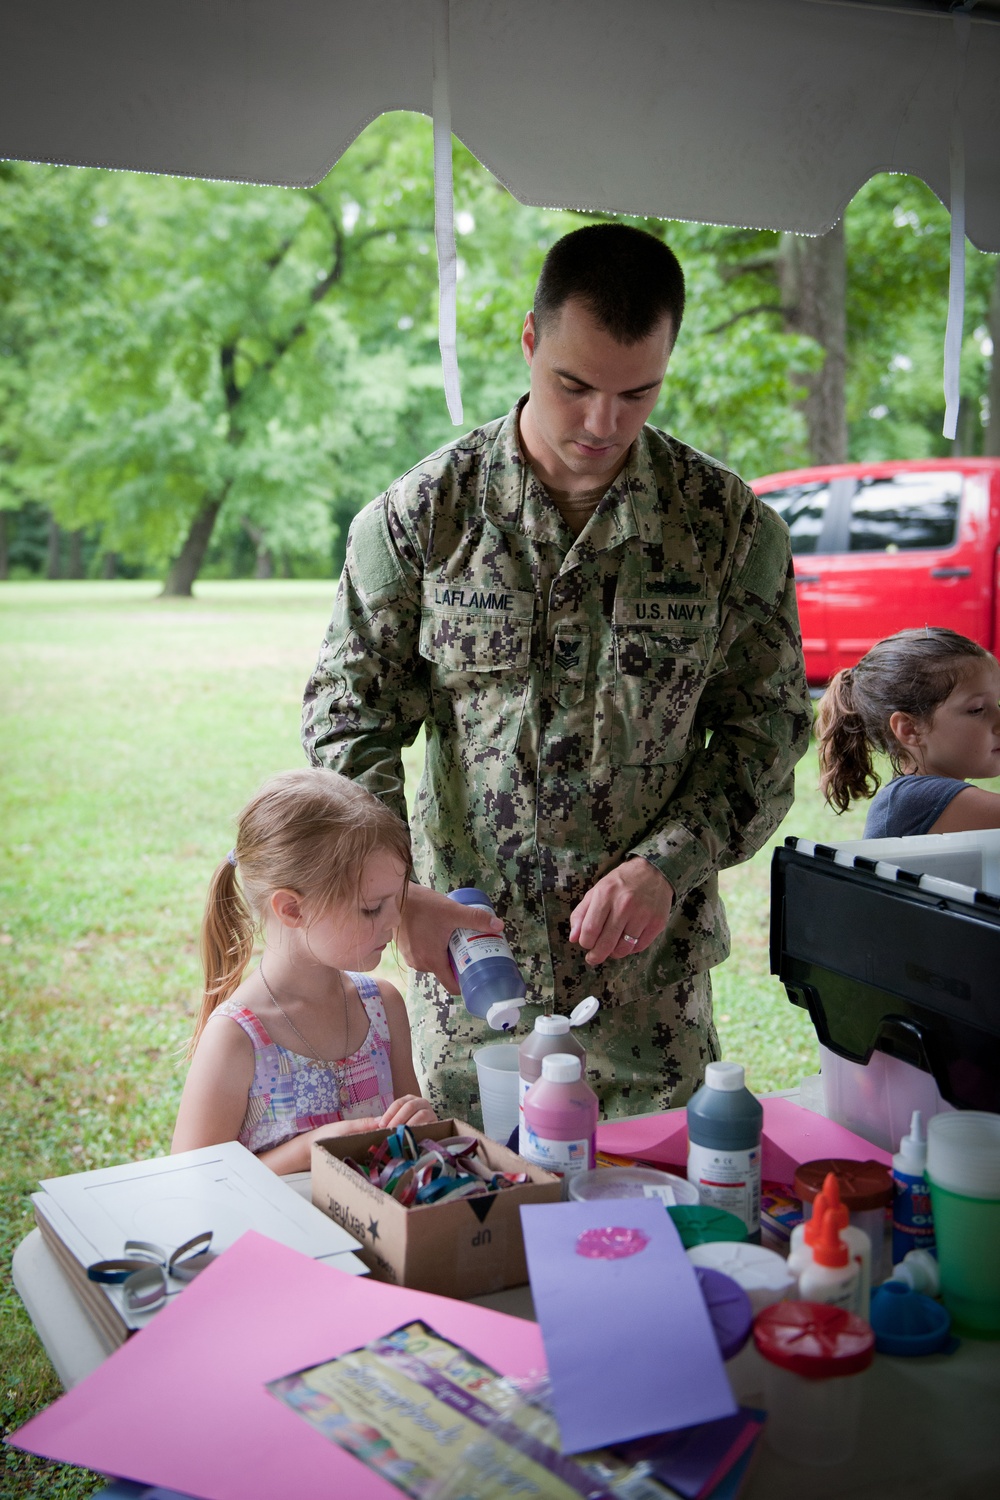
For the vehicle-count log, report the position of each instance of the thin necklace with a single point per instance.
(312, 1049)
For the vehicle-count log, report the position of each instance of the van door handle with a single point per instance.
(950, 572)
(808, 578)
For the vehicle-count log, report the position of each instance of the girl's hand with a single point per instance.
(409, 1109)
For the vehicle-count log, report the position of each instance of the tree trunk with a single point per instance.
(53, 566)
(4, 549)
(109, 565)
(991, 437)
(187, 564)
(813, 279)
(264, 565)
(74, 566)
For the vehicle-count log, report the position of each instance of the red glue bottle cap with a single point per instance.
(828, 1248)
(811, 1228)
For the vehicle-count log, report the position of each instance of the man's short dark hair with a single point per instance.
(627, 279)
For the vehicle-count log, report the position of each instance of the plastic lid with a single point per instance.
(814, 1339)
(729, 1309)
(727, 1077)
(697, 1224)
(763, 1274)
(585, 1011)
(552, 1025)
(861, 1184)
(504, 1015)
(561, 1067)
(907, 1322)
(963, 1153)
(828, 1248)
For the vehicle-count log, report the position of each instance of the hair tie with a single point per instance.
(231, 856)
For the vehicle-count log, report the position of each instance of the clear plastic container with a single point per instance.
(632, 1182)
(877, 1099)
(815, 1358)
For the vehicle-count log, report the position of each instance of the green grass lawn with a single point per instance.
(133, 730)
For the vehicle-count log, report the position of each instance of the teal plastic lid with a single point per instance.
(698, 1224)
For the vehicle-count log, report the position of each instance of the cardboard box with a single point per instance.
(457, 1249)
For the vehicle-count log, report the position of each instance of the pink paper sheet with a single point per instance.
(183, 1403)
(792, 1135)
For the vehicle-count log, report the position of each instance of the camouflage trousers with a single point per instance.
(647, 1055)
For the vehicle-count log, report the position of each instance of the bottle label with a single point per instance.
(729, 1180)
(912, 1219)
(564, 1158)
(468, 948)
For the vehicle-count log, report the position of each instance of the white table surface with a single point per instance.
(930, 1427)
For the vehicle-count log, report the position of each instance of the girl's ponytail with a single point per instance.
(845, 750)
(227, 935)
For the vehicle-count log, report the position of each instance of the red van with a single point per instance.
(882, 546)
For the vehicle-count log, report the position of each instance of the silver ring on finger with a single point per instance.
(627, 939)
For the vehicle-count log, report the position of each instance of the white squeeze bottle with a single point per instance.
(551, 1034)
(833, 1275)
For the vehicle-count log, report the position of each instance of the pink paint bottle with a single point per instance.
(560, 1118)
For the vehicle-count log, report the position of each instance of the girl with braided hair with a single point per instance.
(927, 699)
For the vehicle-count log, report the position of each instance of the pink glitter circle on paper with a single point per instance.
(611, 1243)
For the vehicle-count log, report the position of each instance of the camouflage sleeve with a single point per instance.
(368, 695)
(753, 720)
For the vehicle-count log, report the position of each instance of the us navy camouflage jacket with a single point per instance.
(637, 691)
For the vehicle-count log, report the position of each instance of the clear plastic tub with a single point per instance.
(877, 1099)
(633, 1182)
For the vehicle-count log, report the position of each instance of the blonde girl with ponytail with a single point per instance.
(928, 700)
(307, 1044)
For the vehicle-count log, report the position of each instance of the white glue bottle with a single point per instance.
(724, 1123)
(859, 1246)
(833, 1275)
(912, 1221)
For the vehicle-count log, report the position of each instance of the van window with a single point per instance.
(802, 507)
(905, 511)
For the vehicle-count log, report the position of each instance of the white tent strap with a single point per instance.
(956, 283)
(444, 213)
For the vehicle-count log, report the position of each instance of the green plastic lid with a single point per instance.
(698, 1224)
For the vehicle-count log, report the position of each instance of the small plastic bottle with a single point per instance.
(484, 966)
(919, 1271)
(833, 1276)
(551, 1034)
(912, 1221)
(560, 1118)
(724, 1123)
(858, 1243)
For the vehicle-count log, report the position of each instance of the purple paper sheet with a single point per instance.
(628, 1341)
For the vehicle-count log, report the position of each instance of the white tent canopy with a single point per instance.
(766, 113)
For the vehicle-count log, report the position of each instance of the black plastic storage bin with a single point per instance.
(889, 959)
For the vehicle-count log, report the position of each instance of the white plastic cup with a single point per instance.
(499, 1089)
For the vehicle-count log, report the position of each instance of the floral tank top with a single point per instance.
(291, 1093)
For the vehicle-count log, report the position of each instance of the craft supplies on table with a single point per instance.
(458, 1246)
(422, 1171)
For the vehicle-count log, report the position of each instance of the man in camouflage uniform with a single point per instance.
(596, 627)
